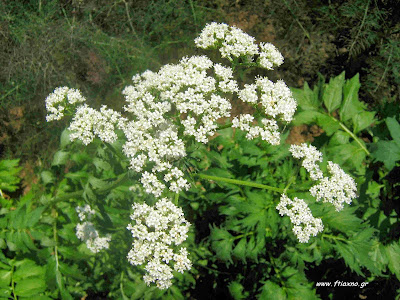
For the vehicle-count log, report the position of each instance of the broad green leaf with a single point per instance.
(28, 269)
(30, 287)
(328, 123)
(306, 117)
(60, 158)
(222, 242)
(332, 96)
(363, 120)
(240, 249)
(65, 139)
(387, 152)
(350, 154)
(47, 177)
(393, 256)
(306, 98)
(5, 278)
(271, 290)
(340, 137)
(236, 290)
(343, 221)
(351, 105)
(394, 128)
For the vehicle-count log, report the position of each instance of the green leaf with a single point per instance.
(47, 177)
(60, 158)
(28, 269)
(328, 123)
(236, 290)
(332, 96)
(351, 105)
(30, 287)
(9, 179)
(387, 152)
(340, 137)
(240, 249)
(306, 117)
(271, 290)
(5, 278)
(394, 128)
(363, 120)
(306, 98)
(222, 242)
(393, 256)
(348, 154)
(65, 139)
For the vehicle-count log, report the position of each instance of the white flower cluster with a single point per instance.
(87, 233)
(311, 155)
(338, 189)
(156, 232)
(276, 100)
(88, 122)
(269, 132)
(300, 215)
(270, 57)
(233, 42)
(152, 137)
(57, 101)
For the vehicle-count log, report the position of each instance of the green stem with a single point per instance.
(241, 182)
(334, 237)
(352, 135)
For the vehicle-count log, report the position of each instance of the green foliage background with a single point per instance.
(240, 247)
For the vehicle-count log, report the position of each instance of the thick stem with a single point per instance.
(352, 135)
(245, 183)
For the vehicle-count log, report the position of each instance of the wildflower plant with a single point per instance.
(167, 118)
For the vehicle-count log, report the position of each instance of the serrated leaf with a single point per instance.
(222, 242)
(350, 154)
(240, 249)
(28, 269)
(340, 137)
(393, 256)
(30, 287)
(5, 278)
(60, 158)
(34, 216)
(306, 117)
(362, 120)
(306, 98)
(271, 290)
(329, 124)
(387, 152)
(394, 128)
(236, 290)
(332, 96)
(47, 177)
(351, 105)
(65, 139)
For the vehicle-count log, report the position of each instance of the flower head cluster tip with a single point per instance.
(157, 232)
(87, 233)
(310, 156)
(301, 217)
(232, 43)
(338, 189)
(57, 102)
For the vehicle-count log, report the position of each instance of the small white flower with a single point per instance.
(156, 232)
(310, 156)
(301, 217)
(338, 189)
